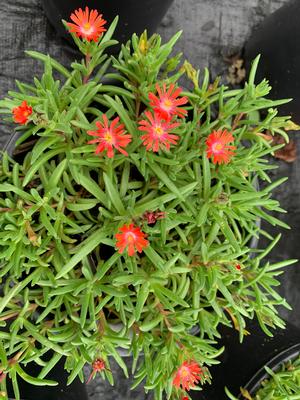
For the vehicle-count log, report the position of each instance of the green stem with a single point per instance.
(87, 64)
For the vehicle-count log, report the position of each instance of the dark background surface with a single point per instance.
(212, 30)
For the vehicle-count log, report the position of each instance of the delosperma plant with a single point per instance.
(127, 222)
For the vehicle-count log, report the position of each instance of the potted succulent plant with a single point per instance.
(127, 221)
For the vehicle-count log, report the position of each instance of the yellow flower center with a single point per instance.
(217, 147)
(167, 104)
(130, 237)
(87, 26)
(108, 137)
(26, 113)
(159, 130)
(184, 372)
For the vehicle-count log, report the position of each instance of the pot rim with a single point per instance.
(274, 364)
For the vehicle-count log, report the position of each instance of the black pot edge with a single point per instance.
(274, 364)
(11, 143)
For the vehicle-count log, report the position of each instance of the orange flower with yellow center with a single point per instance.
(130, 237)
(167, 103)
(87, 24)
(218, 148)
(110, 136)
(158, 132)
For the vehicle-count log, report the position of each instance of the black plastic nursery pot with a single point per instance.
(242, 364)
(290, 354)
(277, 40)
(134, 16)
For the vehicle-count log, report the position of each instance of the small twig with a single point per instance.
(32, 307)
(164, 314)
(137, 106)
(237, 120)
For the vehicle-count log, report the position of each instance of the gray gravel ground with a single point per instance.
(212, 30)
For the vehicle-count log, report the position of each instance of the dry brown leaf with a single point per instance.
(236, 72)
(31, 234)
(291, 126)
(246, 394)
(288, 153)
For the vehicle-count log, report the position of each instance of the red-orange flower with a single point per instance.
(88, 24)
(97, 366)
(187, 375)
(217, 146)
(158, 132)
(167, 103)
(110, 136)
(22, 113)
(132, 238)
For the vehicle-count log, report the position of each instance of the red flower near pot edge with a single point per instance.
(22, 113)
(158, 132)
(217, 146)
(110, 136)
(187, 375)
(167, 104)
(87, 24)
(132, 238)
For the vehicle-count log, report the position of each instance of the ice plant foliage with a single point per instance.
(87, 24)
(218, 147)
(130, 237)
(122, 219)
(110, 136)
(158, 132)
(187, 375)
(22, 113)
(167, 103)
